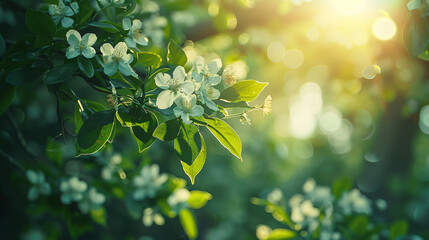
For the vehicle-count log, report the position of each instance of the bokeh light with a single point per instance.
(384, 28)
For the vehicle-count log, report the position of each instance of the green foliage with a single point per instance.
(60, 73)
(168, 130)
(95, 132)
(398, 229)
(416, 34)
(149, 59)
(197, 165)
(199, 199)
(281, 234)
(176, 55)
(188, 223)
(243, 91)
(40, 23)
(225, 135)
(85, 66)
(7, 93)
(188, 143)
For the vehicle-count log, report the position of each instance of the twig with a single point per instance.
(12, 160)
(19, 136)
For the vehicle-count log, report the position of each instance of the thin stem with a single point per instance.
(12, 160)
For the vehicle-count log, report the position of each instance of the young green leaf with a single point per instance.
(198, 164)
(176, 55)
(225, 135)
(198, 199)
(246, 90)
(188, 144)
(24, 75)
(85, 66)
(398, 229)
(95, 132)
(281, 234)
(99, 216)
(85, 10)
(188, 223)
(143, 131)
(168, 130)
(108, 27)
(340, 186)
(40, 23)
(149, 59)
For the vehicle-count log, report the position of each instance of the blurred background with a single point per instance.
(348, 101)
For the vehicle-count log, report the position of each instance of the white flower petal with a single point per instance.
(162, 80)
(126, 23)
(215, 65)
(196, 111)
(210, 104)
(89, 39)
(73, 38)
(187, 87)
(185, 117)
(137, 24)
(125, 69)
(165, 99)
(130, 42)
(67, 22)
(110, 68)
(120, 50)
(106, 49)
(214, 80)
(72, 52)
(179, 74)
(88, 52)
(199, 64)
(141, 39)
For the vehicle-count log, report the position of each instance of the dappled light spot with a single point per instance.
(276, 52)
(349, 7)
(303, 149)
(313, 34)
(370, 71)
(293, 58)
(424, 119)
(384, 28)
(330, 120)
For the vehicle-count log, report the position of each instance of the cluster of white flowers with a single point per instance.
(75, 190)
(39, 185)
(115, 3)
(114, 58)
(148, 182)
(354, 202)
(150, 216)
(179, 199)
(111, 167)
(183, 89)
(62, 12)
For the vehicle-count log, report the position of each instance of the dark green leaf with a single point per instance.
(198, 164)
(149, 59)
(60, 73)
(95, 132)
(108, 27)
(198, 199)
(85, 10)
(176, 55)
(359, 225)
(40, 23)
(225, 135)
(2, 45)
(168, 130)
(85, 66)
(24, 75)
(416, 34)
(143, 131)
(7, 93)
(53, 151)
(188, 144)
(99, 216)
(246, 90)
(199, 121)
(188, 223)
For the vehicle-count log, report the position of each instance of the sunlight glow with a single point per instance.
(349, 7)
(384, 28)
(276, 52)
(294, 58)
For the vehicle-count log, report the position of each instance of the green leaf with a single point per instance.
(188, 144)
(176, 55)
(60, 73)
(24, 75)
(199, 199)
(53, 151)
(99, 216)
(281, 233)
(246, 90)
(85, 10)
(108, 27)
(7, 93)
(168, 130)
(416, 34)
(40, 23)
(359, 225)
(149, 59)
(398, 229)
(95, 132)
(225, 135)
(143, 131)
(199, 121)
(340, 186)
(2, 45)
(198, 164)
(188, 223)
(85, 66)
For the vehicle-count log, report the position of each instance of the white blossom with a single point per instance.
(39, 185)
(92, 200)
(135, 33)
(187, 107)
(62, 13)
(72, 190)
(148, 182)
(117, 59)
(173, 87)
(150, 217)
(179, 199)
(80, 45)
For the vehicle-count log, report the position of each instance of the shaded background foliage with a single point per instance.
(380, 144)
